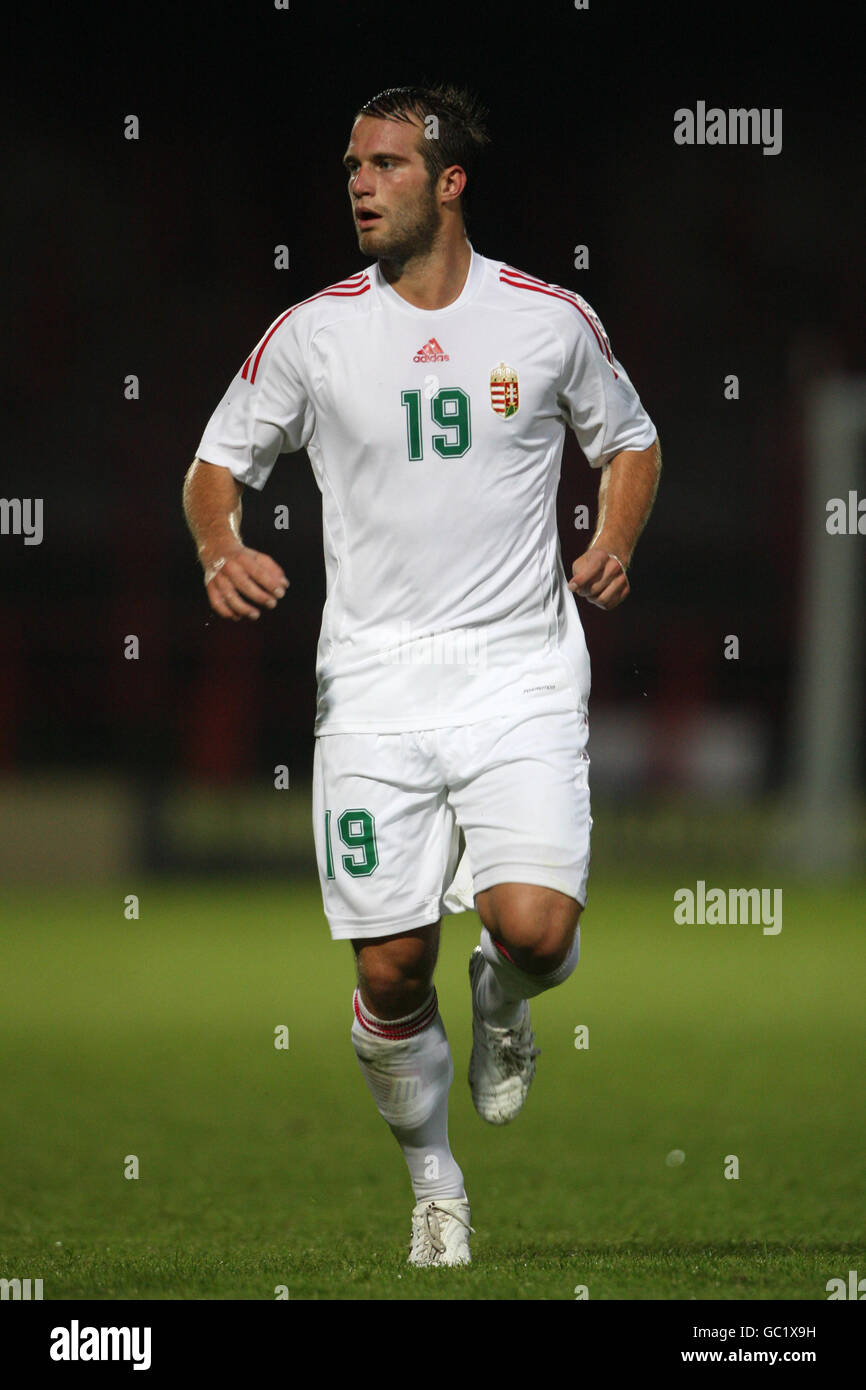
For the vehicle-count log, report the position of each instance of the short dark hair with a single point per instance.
(461, 134)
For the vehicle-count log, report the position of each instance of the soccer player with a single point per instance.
(431, 392)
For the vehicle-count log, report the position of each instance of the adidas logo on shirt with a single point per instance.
(431, 352)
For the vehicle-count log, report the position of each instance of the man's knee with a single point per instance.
(395, 973)
(536, 925)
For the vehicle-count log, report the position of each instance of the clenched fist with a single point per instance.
(599, 576)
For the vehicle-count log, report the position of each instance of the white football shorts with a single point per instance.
(388, 810)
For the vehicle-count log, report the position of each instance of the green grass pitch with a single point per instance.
(262, 1167)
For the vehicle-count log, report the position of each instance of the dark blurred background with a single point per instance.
(155, 257)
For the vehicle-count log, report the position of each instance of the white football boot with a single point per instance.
(502, 1064)
(440, 1232)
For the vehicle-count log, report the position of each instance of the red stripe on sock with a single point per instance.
(501, 949)
(397, 1031)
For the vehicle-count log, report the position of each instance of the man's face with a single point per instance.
(394, 207)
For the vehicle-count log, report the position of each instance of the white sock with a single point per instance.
(407, 1065)
(503, 986)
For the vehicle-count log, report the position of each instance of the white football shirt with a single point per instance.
(436, 436)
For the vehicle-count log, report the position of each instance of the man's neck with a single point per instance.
(432, 281)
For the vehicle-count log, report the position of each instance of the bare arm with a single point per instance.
(235, 577)
(626, 494)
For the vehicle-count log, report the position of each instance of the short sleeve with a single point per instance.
(266, 411)
(595, 394)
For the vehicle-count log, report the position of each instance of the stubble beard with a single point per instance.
(413, 233)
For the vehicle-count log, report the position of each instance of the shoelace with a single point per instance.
(516, 1053)
(434, 1232)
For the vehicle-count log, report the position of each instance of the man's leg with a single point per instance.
(387, 849)
(403, 1052)
(530, 943)
(520, 790)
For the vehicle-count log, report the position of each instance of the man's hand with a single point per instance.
(625, 498)
(240, 578)
(600, 577)
(235, 577)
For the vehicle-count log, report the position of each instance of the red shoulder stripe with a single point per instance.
(520, 280)
(355, 285)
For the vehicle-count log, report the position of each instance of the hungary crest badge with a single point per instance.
(504, 392)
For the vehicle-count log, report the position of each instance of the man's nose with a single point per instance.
(362, 183)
